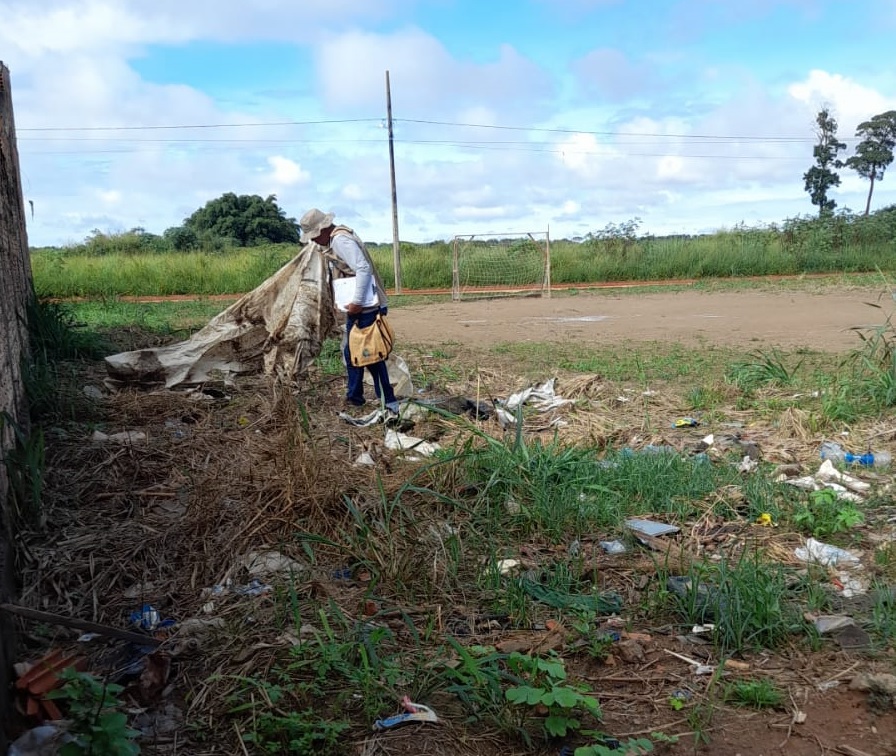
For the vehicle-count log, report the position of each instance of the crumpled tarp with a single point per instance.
(278, 328)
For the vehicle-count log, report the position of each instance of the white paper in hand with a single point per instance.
(344, 293)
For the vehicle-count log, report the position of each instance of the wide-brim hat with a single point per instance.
(313, 222)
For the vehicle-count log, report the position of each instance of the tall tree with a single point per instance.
(875, 152)
(248, 219)
(822, 176)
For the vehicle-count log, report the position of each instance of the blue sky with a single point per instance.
(510, 115)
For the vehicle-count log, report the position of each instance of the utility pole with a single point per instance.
(396, 251)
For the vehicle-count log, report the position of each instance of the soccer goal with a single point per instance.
(497, 265)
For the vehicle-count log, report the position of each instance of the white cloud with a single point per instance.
(851, 103)
(287, 172)
(425, 78)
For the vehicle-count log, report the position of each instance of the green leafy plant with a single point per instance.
(630, 747)
(545, 685)
(825, 514)
(98, 726)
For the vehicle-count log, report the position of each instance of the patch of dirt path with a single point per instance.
(759, 319)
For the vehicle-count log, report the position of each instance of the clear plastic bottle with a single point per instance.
(836, 453)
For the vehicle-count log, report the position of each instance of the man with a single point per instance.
(318, 227)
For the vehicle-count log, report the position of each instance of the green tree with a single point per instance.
(246, 219)
(875, 152)
(822, 176)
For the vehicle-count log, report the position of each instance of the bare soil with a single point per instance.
(819, 320)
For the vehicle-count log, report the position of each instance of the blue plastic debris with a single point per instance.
(413, 712)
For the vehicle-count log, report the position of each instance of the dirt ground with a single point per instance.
(163, 518)
(819, 320)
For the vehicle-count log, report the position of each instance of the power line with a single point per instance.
(200, 125)
(605, 133)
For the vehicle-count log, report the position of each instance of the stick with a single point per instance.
(91, 627)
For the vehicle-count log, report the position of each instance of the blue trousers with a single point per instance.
(355, 389)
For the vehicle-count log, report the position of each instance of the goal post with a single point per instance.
(496, 265)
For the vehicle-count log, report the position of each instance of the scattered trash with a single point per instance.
(400, 442)
(747, 464)
(828, 473)
(765, 520)
(828, 477)
(263, 564)
(703, 629)
(831, 450)
(364, 460)
(148, 618)
(827, 623)
(699, 667)
(506, 566)
(705, 600)
(45, 740)
(613, 547)
(159, 723)
(254, 588)
(125, 437)
(542, 398)
(651, 528)
(139, 590)
(824, 554)
(87, 637)
(413, 712)
(686, 422)
(376, 417)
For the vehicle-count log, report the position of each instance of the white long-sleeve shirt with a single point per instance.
(350, 252)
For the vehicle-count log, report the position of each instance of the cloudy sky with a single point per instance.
(509, 115)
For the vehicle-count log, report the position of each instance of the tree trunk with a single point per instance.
(870, 191)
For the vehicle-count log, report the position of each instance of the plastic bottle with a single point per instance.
(836, 453)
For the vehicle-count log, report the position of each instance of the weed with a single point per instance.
(825, 514)
(98, 726)
(746, 600)
(883, 612)
(757, 694)
(24, 464)
(545, 686)
(631, 747)
(762, 369)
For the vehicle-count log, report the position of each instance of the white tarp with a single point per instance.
(278, 328)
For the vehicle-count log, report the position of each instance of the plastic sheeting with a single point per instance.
(278, 328)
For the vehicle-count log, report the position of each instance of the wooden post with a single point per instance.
(396, 249)
(547, 263)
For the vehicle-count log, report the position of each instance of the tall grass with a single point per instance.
(842, 243)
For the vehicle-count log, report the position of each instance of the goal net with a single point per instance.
(494, 265)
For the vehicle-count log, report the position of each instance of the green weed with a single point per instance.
(824, 514)
(757, 694)
(98, 725)
(762, 369)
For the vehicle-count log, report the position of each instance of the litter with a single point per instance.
(613, 547)
(844, 486)
(413, 712)
(824, 554)
(765, 520)
(148, 618)
(364, 460)
(371, 418)
(542, 398)
(125, 437)
(651, 528)
(686, 422)
(41, 741)
(506, 566)
(403, 443)
(267, 563)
